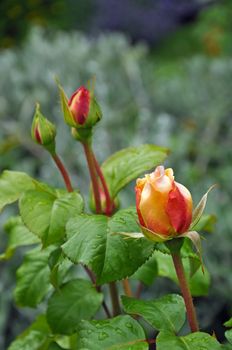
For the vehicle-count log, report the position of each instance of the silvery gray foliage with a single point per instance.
(187, 107)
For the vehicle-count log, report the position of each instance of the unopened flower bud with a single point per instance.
(163, 205)
(43, 131)
(84, 109)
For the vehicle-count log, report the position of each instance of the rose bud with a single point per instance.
(43, 131)
(163, 205)
(84, 109)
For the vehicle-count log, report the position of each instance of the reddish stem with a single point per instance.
(98, 288)
(93, 175)
(191, 313)
(69, 187)
(109, 203)
(63, 172)
(114, 298)
(127, 287)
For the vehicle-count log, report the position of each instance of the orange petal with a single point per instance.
(152, 208)
(179, 208)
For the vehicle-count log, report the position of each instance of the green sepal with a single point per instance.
(68, 117)
(43, 131)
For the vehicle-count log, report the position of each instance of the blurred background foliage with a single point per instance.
(163, 75)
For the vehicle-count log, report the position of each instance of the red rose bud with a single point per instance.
(43, 132)
(163, 205)
(84, 109)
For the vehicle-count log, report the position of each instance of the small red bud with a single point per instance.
(79, 104)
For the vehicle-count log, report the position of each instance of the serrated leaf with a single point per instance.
(59, 266)
(119, 333)
(12, 185)
(165, 313)
(198, 211)
(147, 272)
(91, 242)
(193, 341)
(199, 282)
(228, 335)
(19, 236)
(35, 337)
(45, 213)
(33, 278)
(74, 301)
(126, 165)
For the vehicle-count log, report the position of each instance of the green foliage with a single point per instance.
(45, 212)
(166, 313)
(126, 165)
(12, 185)
(92, 240)
(18, 235)
(192, 341)
(198, 281)
(121, 332)
(96, 241)
(72, 302)
(35, 337)
(33, 278)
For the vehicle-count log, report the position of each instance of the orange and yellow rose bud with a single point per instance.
(84, 109)
(164, 206)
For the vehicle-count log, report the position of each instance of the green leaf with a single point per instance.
(59, 266)
(92, 241)
(147, 272)
(33, 278)
(45, 212)
(54, 346)
(198, 211)
(121, 332)
(35, 337)
(198, 282)
(19, 236)
(12, 185)
(165, 313)
(74, 301)
(193, 341)
(126, 165)
(228, 335)
(228, 323)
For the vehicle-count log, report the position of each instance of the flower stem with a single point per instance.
(127, 287)
(98, 288)
(109, 203)
(114, 298)
(191, 313)
(69, 187)
(93, 175)
(63, 172)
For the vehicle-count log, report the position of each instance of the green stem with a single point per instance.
(114, 298)
(63, 172)
(191, 313)
(93, 175)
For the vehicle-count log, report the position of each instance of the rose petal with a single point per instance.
(179, 208)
